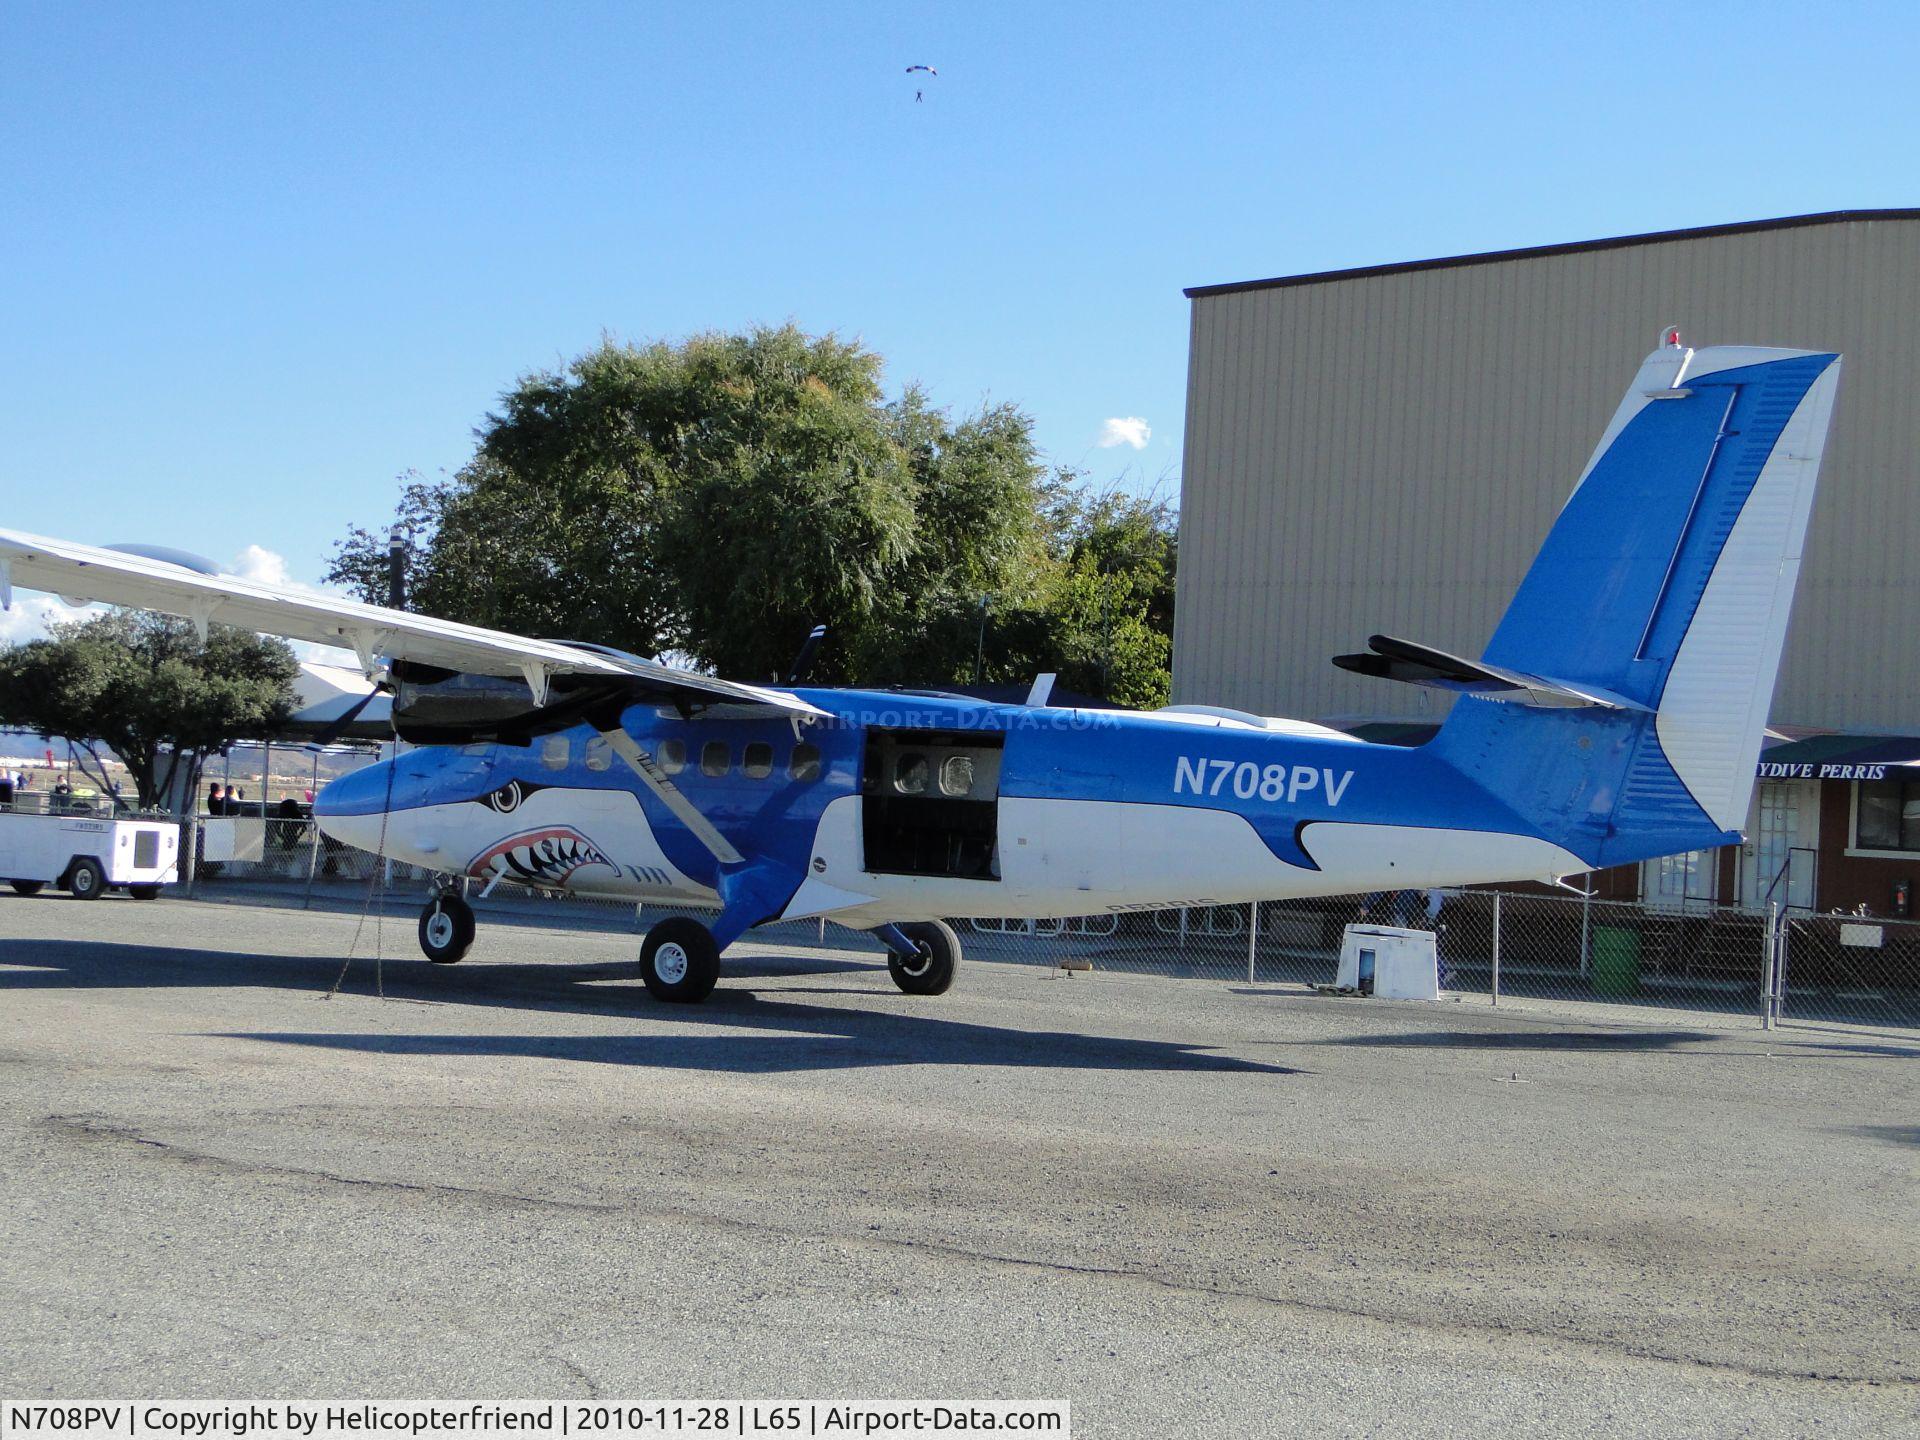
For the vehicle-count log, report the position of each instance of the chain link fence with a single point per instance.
(1620, 959)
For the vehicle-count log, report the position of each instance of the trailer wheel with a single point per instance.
(86, 880)
(27, 887)
(144, 892)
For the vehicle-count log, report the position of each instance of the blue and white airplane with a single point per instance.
(1615, 715)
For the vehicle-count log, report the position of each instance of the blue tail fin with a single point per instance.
(1663, 589)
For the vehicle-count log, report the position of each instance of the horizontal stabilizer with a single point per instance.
(1422, 665)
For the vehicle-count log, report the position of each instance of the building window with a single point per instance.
(1679, 882)
(715, 758)
(673, 756)
(599, 753)
(1886, 815)
(553, 752)
(805, 764)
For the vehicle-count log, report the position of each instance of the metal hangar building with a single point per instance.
(1381, 450)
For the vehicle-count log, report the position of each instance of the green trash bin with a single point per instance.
(1616, 960)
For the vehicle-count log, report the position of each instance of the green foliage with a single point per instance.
(721, 496)
(1104, 621)
(141, 683)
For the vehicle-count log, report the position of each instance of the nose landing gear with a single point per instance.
(446, 928)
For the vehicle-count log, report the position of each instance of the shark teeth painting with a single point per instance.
(547, 856)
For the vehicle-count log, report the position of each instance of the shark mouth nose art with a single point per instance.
(547, 856)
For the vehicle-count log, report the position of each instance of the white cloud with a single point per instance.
(262, 566)
(1131, 431)
(269, 567)
(30, 616)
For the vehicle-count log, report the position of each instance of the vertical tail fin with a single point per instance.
(1665, 582)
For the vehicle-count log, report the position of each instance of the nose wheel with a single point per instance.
(680, 961)
(446, 928)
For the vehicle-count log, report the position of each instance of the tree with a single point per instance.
(144, 686)
(720, 496)
(1104, 622)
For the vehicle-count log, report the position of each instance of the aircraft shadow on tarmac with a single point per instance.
(1621, 1041)
(1892, 1134)
(736, 1030)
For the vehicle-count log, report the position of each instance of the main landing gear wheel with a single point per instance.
(446, 929)
(936, 952)
(679, 961)
(86, 880)
(27, 887)
(144, 891)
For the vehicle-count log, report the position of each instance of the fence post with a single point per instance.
(189, 866)
(1586, 913)
(1253, 936)
(1766, 964)
(1782, 955)
(1496, 947)
(313, 859)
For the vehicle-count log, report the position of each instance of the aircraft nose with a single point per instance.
(353, 808)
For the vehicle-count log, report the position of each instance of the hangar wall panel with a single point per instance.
(1385, 453)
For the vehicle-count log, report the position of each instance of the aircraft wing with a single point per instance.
(83, 573)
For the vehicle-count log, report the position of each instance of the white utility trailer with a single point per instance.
(86, 855)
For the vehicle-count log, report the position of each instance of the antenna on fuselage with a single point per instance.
(804, 660)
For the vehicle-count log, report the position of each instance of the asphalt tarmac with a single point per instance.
(1190, 1208)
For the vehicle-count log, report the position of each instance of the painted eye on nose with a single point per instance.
(507, 798)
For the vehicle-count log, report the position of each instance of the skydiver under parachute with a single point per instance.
(919, 95)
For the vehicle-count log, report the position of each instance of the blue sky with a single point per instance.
(255, 261)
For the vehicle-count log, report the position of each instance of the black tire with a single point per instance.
(679, 961)
(27, 887)
(86, 880)
(930, 970)
(446, 929)
(144, 891)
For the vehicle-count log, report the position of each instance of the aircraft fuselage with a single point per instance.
(912, 806)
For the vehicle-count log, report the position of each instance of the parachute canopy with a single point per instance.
(928, 69)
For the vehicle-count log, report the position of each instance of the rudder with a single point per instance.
(1665, 584)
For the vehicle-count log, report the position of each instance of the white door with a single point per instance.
(1776, 863)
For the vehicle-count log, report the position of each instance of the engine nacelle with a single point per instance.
(433, 706)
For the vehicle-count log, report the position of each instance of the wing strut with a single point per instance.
(684, 810)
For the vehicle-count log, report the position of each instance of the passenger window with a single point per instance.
(910, 774)
(956, 776)
(805, 764)
(673, 756)
(553, 752)
(599, 753)
(758, 760)
(715, 758)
